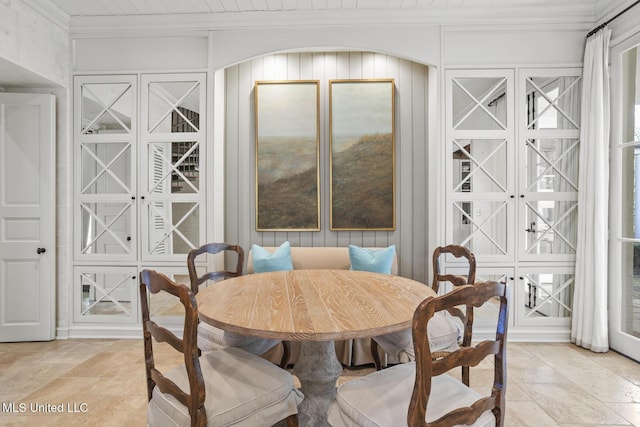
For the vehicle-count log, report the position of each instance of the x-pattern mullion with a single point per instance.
(106, 168)
(553, 103)
(106, 293)
(479, 226)
(551, 227)
(180, 161)
(106, 108)
(552, 165)
(550, 296)
(480, 104)
(173, 228)
(181, 114)
(173, 167)
(480, 165)
(106, 227)
(173, 106)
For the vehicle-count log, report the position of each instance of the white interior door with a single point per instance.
(27, 217)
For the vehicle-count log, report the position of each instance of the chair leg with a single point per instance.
(375, 355)
(286, 353)
(292, 420)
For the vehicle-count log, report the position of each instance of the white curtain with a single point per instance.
(589, 323)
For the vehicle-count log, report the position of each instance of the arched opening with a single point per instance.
(234, 146)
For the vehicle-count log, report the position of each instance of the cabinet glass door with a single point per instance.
(550, 149)
(165, 309)
(544, 296)
(105, 173)
(551, 214)
(480, 179)
(106, 294)
(173, 113)
(106, 106)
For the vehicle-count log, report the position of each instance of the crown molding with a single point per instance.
(128, 25)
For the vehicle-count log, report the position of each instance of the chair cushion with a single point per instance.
(397, 345)
(211, 338)
(372, 260)
(443, 332)
(242, 389)
(265, 261)
(382, 399)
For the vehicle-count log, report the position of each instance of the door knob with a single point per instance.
(41, 251)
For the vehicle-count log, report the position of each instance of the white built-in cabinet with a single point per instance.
(139, 187)
(511, 177)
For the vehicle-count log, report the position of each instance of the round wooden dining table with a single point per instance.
(314, 307)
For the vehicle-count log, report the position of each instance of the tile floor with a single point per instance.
(102, 383)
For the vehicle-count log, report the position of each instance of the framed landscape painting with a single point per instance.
(287, 138)
(362, 154)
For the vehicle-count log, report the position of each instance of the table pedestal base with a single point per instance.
(318, 370)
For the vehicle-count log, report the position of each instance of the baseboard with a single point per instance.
(105, 332)
(526, 335)
(135, 332)
(62, 333)
(112, 331)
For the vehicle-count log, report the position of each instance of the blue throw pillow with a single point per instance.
(373, 260)
(265, 261)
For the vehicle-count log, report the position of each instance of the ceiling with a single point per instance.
(120, 16)
(75, 8)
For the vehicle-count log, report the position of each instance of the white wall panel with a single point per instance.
(140, 54)
(33, 42)
(469, 47)
(420, 43)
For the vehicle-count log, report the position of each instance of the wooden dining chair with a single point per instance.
(423, 394)
(210, 337)
(212, 249)
(223, 387)
(455, 280)
(444, 331)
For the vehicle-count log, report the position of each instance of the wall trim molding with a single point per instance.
(141, 24)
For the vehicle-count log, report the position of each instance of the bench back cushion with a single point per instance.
(319, 258)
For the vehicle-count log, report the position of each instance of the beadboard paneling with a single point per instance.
(410, 236)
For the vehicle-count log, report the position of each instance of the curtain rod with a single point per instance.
(601, 26)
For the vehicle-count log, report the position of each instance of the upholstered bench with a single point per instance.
(350, 352)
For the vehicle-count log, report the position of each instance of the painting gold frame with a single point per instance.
(287, 137)
(362, 154)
